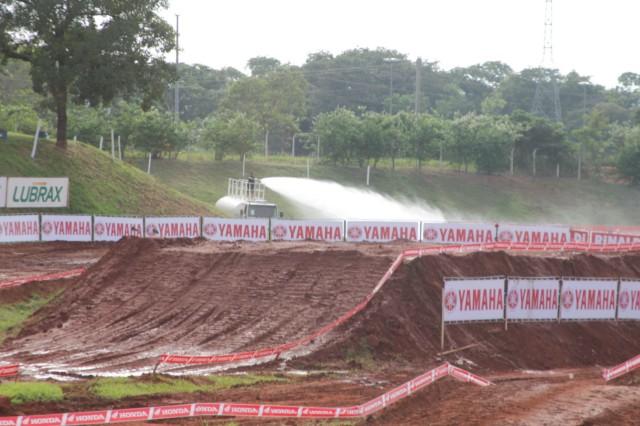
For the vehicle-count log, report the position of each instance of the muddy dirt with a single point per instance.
(141, 298)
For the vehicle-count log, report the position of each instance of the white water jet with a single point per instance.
(330, 200)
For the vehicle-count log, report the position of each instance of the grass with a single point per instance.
(13, 315)
(122, 387)
(20, 393)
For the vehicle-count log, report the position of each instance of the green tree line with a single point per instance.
(87, 67)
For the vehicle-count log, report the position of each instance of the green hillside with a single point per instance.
(460, 196)
(181, 187)
(98, 185)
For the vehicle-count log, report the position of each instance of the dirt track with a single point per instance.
(146, 297)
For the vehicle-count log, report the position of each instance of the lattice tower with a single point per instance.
(546, 102)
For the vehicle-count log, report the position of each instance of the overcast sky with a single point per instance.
(595, 39)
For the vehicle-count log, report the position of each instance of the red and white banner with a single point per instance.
(9, 370)
(112, 228)
(55, 275)
(172, 227)
(473, 299)
(19, 228)
(534, 234)
(381, 232)
(3, 191)
(246, 410)
(588, 298)
(619, 370)
(609, 238)
(221, 229)
(299, 230)
(66, 227)
(532, 298)
(457, 233)
(629, 300)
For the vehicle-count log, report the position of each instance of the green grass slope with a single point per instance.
(98, 185)
(460, 196)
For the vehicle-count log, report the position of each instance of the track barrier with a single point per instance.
(9, 370)
(247, 410)
(53, 276)
(622, 369)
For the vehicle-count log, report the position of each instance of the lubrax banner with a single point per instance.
(37, 192)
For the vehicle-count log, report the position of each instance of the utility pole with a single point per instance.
(418, 84)
(176, 105)
(546, 102)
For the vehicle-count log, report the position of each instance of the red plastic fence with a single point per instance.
(9, 370)
(56, 275)
(246, 410)
(621, 369)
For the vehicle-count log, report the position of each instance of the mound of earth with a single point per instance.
(146, 297)
(403, 322)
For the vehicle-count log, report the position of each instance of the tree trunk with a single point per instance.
(61, 110)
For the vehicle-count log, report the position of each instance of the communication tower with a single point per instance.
(546, 102)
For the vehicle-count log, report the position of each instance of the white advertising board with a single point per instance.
(3, 191)
(629, 299)
(172, 227)
(588, 298)
(38, 192)
(534, 234)
(298, 230)
(532, 298)
(469, 299)
(19, 228)
(458, 233)
(609, 238)
(376, 231)
(221, 229)
(66, 228)
(112, 228)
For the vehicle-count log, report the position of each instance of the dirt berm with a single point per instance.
(147, 297)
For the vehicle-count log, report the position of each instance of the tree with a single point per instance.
(89, 51)
(275, 101)
(628, 161)
(341, 134)
(230, 132)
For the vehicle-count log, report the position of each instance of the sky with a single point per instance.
(595, 39)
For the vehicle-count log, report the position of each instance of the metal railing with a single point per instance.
(246, 190)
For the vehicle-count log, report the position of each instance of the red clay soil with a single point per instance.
(145, 297)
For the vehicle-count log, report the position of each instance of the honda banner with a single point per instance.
(220, 229)
(66, 228)
(111, 228)
(172, 227)
(588, 298)
(532, 298)
(629, 300)
(19, 228)
(298, 230)
(374, 231)
(473, 299)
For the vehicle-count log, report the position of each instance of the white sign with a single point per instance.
(366, 230)
(468, 299)
(608, 238)
(37, 192)
(585, 298)
(534, 234)
(532, 298)
(3, 191)
(629, 300)
(220, 229)
(458, 233)
(19, 228)
(109, 228)
(298, 230)
(66, 228)
(172, 227)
